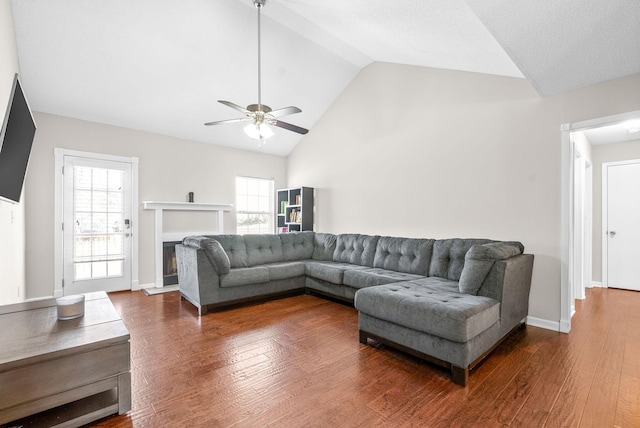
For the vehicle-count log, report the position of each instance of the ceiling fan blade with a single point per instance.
(234, 106)
(285, 111)
(289, 127)
(222, 122)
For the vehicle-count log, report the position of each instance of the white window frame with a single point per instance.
(270, 212)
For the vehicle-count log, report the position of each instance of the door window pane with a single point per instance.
(98, 217)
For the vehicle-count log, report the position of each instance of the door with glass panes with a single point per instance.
(97, 226)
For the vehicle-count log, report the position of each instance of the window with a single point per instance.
(254, 205)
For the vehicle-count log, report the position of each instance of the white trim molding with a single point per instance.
(546, 324)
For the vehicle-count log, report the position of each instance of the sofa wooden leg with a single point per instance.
(203, 310)
(363, 337)
(459, 375)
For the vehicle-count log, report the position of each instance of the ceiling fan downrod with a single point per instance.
(259, 4)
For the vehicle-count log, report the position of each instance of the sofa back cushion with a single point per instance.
(263, 249)
(404, 255)
(297, 245)
(324, 245)
(448, 256)
(235, 248)
(355, 249)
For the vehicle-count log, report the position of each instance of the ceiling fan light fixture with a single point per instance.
(258, 131)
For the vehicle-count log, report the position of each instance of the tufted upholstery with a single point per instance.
(367, 277)
(355, 249)
(235, 248)
(420, 306)
(297, 246)
(404, 255)
(324, 245)
(448, 256)
(263, 249)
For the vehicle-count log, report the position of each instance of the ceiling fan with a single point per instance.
(260, 115)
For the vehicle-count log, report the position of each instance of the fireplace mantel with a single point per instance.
(185, 206)
(160, 207)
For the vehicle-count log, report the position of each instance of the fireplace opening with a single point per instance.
(169, 263)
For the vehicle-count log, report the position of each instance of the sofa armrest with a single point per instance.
(197, 276)
(213, 250)
(509, 282)
(479, 261)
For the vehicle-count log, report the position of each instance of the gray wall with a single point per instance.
(169, 168)
(12, 226)
(423, 152)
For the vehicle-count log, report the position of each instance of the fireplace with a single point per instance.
(169, 263)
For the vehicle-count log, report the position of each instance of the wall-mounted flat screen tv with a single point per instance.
(16, 138)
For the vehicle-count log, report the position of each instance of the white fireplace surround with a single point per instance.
(160, 236)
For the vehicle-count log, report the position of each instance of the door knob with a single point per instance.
(612, 233)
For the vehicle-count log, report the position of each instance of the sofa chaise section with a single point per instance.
(457, 319)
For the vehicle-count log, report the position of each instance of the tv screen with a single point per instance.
(16, 138)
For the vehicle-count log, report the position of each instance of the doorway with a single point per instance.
(572, 254)
(96, 247)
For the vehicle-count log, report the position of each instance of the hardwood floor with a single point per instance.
(297, 362)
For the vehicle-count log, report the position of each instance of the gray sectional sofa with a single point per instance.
(449, 301)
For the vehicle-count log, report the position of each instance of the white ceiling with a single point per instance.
(160, 65)
(615, 133)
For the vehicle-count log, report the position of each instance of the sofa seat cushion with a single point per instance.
(245, 276)
(285, 270)
(360, 278)
(329, 271)
(450, 315)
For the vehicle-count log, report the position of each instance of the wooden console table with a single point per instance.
(63, 373)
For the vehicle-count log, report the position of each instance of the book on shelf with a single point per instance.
(297, 199)
(283, 207)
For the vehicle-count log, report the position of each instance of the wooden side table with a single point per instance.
(66, 373)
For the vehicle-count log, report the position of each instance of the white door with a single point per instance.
(96, 225)
(623, 224)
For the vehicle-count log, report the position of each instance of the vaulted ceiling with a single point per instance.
(160, 65)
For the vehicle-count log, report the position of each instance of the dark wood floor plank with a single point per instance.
(603, 395)
(298, 362)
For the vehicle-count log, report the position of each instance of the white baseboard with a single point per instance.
(596, 284)
(542, 323)
(148, 285)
